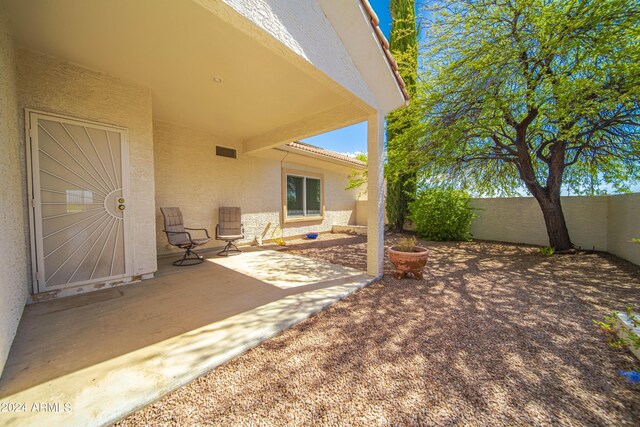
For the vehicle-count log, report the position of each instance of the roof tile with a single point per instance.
(322, 152)
(384, 43)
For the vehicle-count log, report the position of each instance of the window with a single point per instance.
(303, 196)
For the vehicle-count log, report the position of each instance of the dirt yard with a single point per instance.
(496, 334)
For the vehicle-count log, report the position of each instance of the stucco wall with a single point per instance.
(189, 175)
(296, 25)
(13, 271)
(53, 85)
(623, 225)
(605, 223)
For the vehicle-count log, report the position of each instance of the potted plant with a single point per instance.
(407, 257)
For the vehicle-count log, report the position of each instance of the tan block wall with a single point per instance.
(605, 223)
(361, 214)
(53, 85)
(520, 220)
(13, 270)
(190, 175)
(587, 221)
(623, 225)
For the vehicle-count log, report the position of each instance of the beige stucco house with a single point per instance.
(112, 109)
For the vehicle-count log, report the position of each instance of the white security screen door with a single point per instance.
(79, 193)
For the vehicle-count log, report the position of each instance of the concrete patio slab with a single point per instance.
(291, 271)
(92, 359)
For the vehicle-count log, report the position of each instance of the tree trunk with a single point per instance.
(556, 225)
(400, 193)
(548, 197)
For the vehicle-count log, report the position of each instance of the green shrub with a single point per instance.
(442, 214)
(611, 324)
(547, 251)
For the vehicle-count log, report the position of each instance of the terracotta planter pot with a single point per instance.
(408, 262)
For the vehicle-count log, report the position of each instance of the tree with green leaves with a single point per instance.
(358, 178)
(539, 94)
(403, 43)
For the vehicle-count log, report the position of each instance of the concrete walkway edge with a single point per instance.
(106, 392)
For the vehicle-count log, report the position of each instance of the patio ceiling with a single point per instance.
(179, 49)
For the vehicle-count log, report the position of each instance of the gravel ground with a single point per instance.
(496, 334)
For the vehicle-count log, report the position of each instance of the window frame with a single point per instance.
(301, 174)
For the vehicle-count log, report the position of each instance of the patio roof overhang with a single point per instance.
(210, 67)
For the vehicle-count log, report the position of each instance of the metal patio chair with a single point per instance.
(178, 236)
(229, 229)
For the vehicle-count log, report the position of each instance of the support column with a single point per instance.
(375, 191)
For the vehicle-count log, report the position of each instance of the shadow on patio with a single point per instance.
(112, 351)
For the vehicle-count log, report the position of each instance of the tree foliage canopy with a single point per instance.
(358, 178)
(537, 92)
(403, 43)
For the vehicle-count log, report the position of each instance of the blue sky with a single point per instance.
(353, 139)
